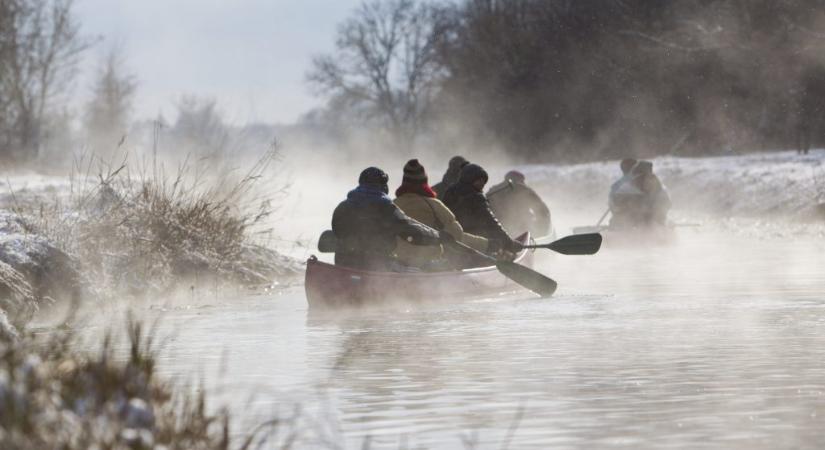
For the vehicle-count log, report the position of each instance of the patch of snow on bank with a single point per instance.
(781, 183)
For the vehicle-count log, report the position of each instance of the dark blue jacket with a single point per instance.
(366, 226)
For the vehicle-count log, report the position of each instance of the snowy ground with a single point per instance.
(766, 185)
(774, 189)
(761, 193)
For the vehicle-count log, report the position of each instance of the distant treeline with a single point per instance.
(586, 79)
(41, 124)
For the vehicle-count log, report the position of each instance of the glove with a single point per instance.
(515, 246)
(446, 238)
(494, 246)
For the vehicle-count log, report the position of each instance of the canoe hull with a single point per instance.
(330, 286)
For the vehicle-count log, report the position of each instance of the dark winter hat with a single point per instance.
(515, 176)
(414, 172)
(373, 176)
(627, 164)
(472, 172)
(457, 162)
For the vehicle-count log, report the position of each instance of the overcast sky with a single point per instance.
(251, 55)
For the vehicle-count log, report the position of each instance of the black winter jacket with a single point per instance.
(473, 212)
(366, 226)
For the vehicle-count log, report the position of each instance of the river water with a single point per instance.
(715, 341)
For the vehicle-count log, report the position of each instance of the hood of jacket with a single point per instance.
(368, 194)
(472, 172)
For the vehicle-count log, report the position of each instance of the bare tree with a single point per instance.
(40, 43)
(384, 68)
(108, 112)
(200, 129)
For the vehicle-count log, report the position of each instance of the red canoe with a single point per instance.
(331, 286)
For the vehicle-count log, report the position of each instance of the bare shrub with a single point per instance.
(384, 69)
(200, 129)
(53, 396)
(141, 231)
(16, 297)
(40, 46)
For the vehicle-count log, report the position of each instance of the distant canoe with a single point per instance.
(330, 286)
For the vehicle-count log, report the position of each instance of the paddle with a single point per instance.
(593, 229)
(577, 244)
(604, 216)
(526, 277)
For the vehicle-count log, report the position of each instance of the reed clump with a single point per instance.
(138, 232)
(52, 396)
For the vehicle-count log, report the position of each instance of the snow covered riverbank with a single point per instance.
(768, 185)
(118, 237)
(773, 188)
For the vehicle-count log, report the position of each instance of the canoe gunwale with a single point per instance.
(523, 254)
(424, 285)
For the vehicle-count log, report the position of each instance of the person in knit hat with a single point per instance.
(418, 201)
(451, 176)
(467, 201)
(367, 224)
(415, 178)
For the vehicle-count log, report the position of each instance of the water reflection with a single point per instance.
(688, 357)
(653, 379)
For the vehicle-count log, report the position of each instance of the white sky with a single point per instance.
(250, 55)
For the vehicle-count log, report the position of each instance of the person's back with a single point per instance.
(359, 225)
(625, 200)
(641, 200)
(518, 207)
(657, 201)
(367, 224)
(433, 213)
(418, 201)
(467, 201)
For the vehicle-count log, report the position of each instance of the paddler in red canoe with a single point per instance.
(419, 201)
(467, 201)
(367, 224)
(518, 207)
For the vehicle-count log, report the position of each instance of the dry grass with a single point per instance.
(53, 397)
(16, 296)
(142, 231)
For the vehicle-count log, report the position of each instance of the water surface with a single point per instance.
(717, 341)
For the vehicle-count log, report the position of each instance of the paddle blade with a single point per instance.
(327, 243)
(577, 244)
(528, 278)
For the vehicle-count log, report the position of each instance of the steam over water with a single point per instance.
(715, 341)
